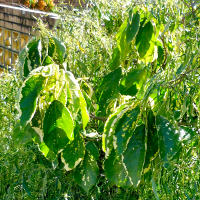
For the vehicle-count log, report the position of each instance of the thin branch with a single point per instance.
(186, 3)
(98, 118)
(165, 52)
(179, 79)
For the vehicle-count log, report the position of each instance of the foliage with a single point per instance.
(138, 82)
(43, 5)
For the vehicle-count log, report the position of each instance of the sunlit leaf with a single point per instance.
(30, 92)
(57, 126)
(92, 149)
(168, 137)
(73, 153)
(115, 170)
(84, 112)
(132, 82)
(133, 26)
(125, 129)
(115, 61)
(49, 154)
(134, 156)
(108, 88)
(60, 50)
(86, 173)
(152, 139)
(143, 39)
(109, 128)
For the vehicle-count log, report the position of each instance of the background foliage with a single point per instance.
(136, 67)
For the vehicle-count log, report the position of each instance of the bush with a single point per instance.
(130, 68)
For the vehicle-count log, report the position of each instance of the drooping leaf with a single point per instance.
(115, 61)
(49, 154)
(77, 100)
(115, 170)
(132, 82)
(121, 39)
(23, 63)
(181, 68)
(30, 92)
(152, 139)
(125, 129)
(23, 135)
(73, 153)
(63, 94)
(143, 38)
(168, 138)
(134, 156)
(92, 149)
(160, 54)
(108, 88)
(107, 137)
(57, 126)
(126, 34)
(60, 50)
(133, 26)
(84, 112)
(86, 173)
(56, 140)
(33, 56)
(73, 93)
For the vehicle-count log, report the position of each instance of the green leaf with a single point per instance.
(56, 140)
(63, 94)
(121, 38)
(181, 68)
(73, 153)
(115, 170)
(132, 82)
(73, 93)
(25, 187)
(133, 26)
(47, 61)
(25, 135)
(160, 54)
(23, 63)
(54, 85)
(125, 129)
(108, 88)
(86, 173)
(33, 56)
(51, 47)
(168, 137)
(30, 92)
(115, 61)
(109, 128)
(134, 156)
(155, 189)
(84, 112)
(152, 139)
(60, 50)
(77, 100)
(126, 33)
(57, 126)
(143, 38)
(92, 150)
(49, 154)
